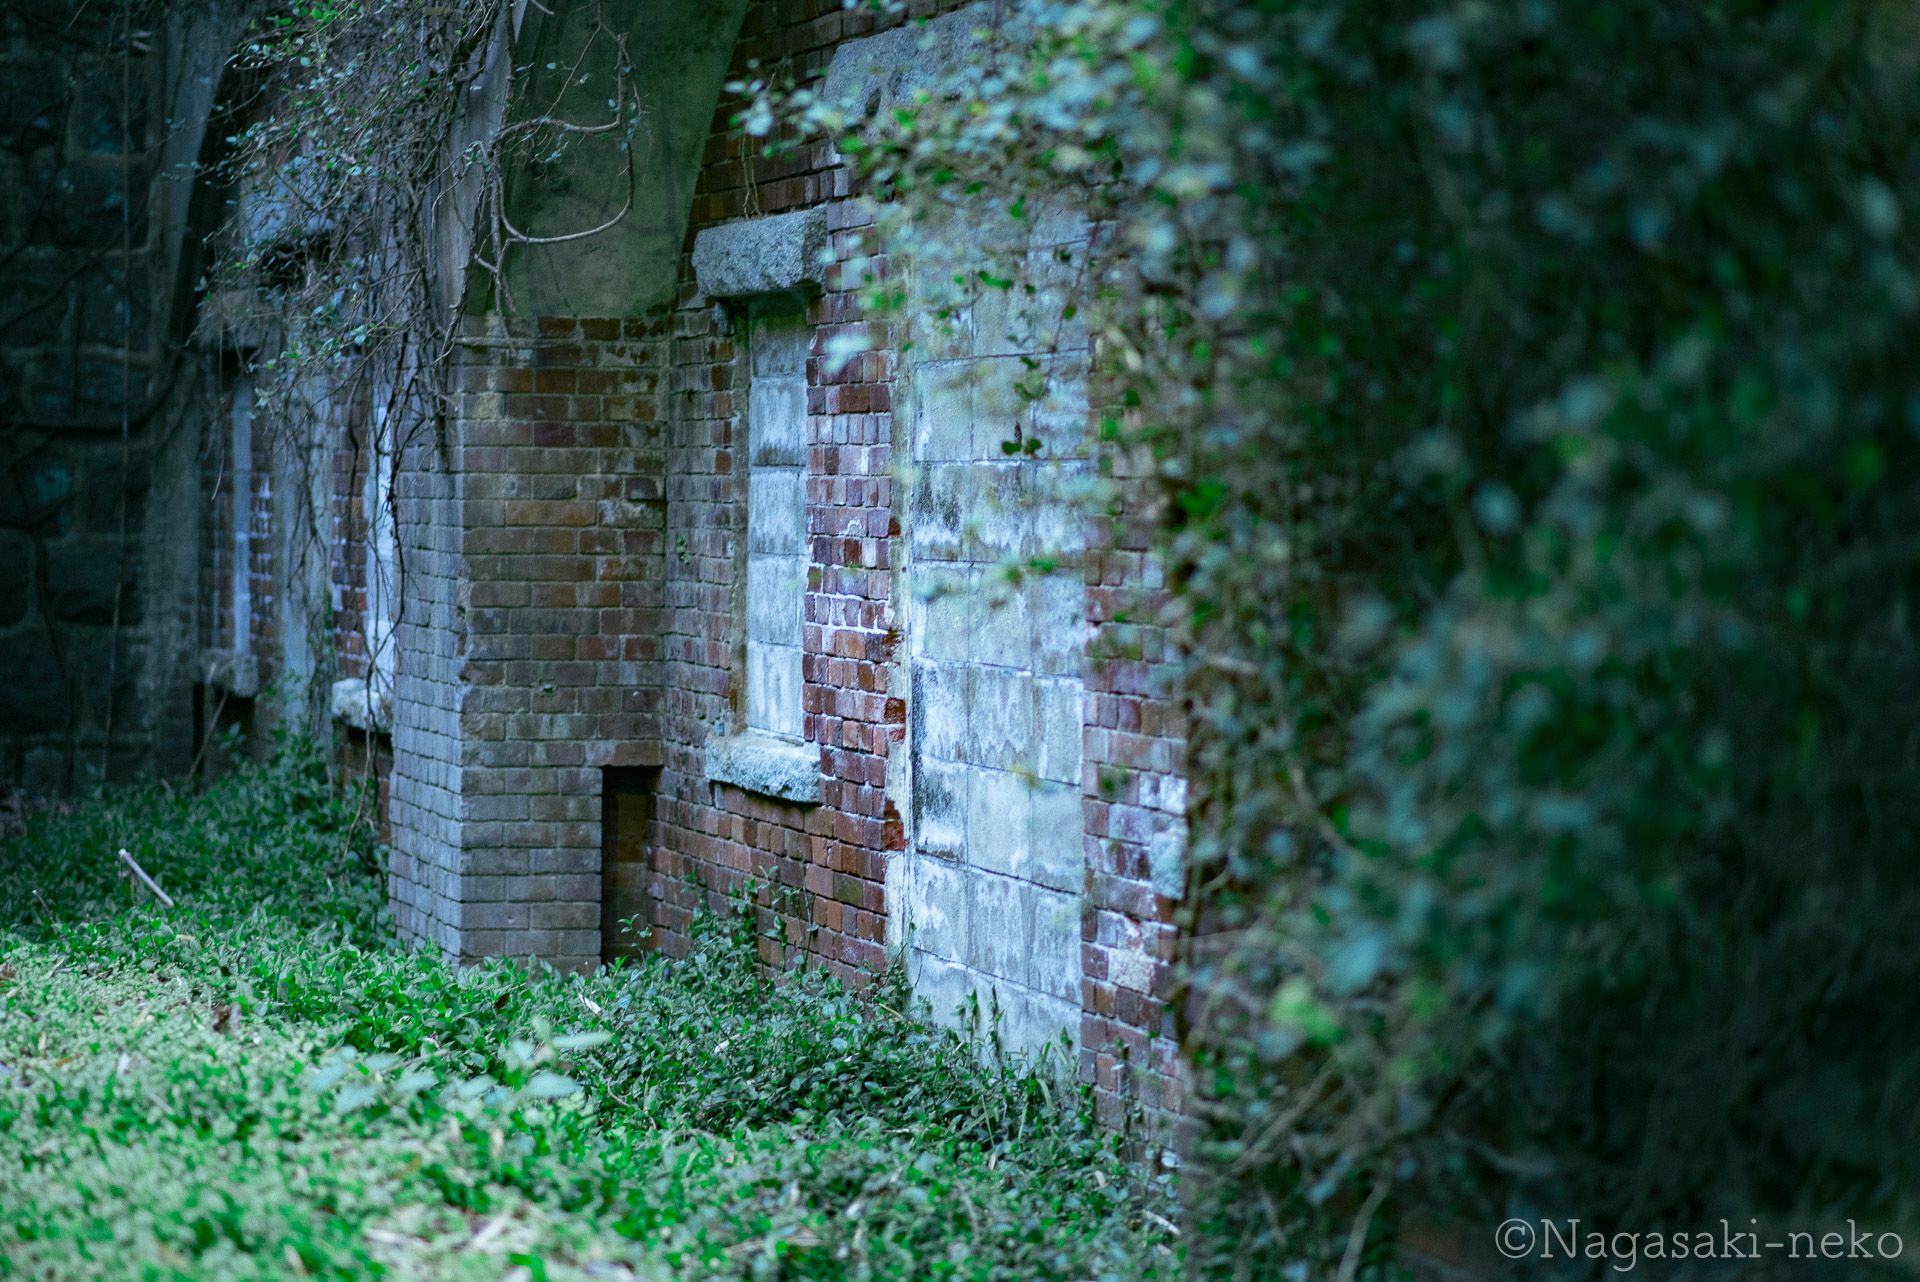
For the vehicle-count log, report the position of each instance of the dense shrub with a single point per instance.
(1530, 385)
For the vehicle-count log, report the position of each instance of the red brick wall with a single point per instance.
(1134, 738)
(823, 868)
(541, 552)
(603, 501)
(1134, 752)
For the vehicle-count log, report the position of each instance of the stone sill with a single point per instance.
(766, 765)
(350, 701)
(230, 670)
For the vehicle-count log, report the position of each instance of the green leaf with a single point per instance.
(551, 1086)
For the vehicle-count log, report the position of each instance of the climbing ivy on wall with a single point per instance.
(1528, 387)
(370, 173)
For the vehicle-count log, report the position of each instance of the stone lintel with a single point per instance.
(350, 700)
(869, 77)
(762, 255)
(235, 672)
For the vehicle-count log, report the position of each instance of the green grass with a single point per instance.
(261, 1083)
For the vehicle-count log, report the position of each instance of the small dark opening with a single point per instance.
(368, 758)
(222, 731)
(627, 842)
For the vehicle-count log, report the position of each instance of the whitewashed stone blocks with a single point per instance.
(989, 896)
(776, 521)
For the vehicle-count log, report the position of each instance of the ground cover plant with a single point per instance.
(260, 1083)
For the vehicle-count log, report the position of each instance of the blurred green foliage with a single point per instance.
(1531, 388)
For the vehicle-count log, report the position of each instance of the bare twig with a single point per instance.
(206, 740)
(134, 866)
(1357, 1238)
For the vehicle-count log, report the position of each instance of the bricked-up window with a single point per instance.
(383, 570)
(241, 588)
(776, 516)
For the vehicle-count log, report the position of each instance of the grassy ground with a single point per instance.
(260, 1083)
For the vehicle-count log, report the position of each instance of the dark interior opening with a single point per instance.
(222, 731)
(627, 843)
(360, 758)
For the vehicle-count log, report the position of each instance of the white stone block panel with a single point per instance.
(999, 821)
(945, 986)
(941, 795)
(1020, 1021)
(1032, 1025)
(780, 340)
(1000, 728)
(999, 925)
(1056, 524)
(996, 696)
(940, 694)
(777, 511)
(776, 598)
(1058, 728)
(1015, 321)
(773, 689)
(1002, 405)
(939, 510)
(777, 422)
(1057, 613)
(942, 412)
(1054, 959)
(1024, 933)
(936, 337)
(998, 518)
(1057, 224)
(942, 612)
(936, 907)
(1057, 839)
(1005, 638)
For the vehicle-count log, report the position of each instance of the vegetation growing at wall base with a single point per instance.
(259, 1084)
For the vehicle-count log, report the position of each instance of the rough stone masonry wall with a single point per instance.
(97, 556)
